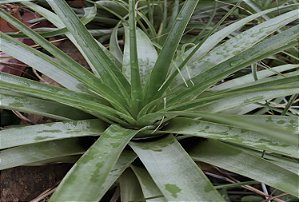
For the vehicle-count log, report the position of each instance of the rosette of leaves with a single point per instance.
(166, 108)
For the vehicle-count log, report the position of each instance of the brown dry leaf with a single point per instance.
(47, 80)
(36, 119)
(72, 51)
(9, 64)
(14, 10)
(77, 3)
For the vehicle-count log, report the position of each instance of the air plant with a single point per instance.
(155, 112)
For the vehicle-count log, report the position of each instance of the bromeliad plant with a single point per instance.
(147, 103)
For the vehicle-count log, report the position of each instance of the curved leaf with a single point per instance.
(48, 132)
(129, 187)
(234, 160)
(205, 129)
(55, 20)
(238, 44)
(73, 68)
(286, 163)
(114, 46)
(248, 98)
(92, 170)
(124, 161)
(150, 190)
(254, 92)
(247, 79)
(166, 55)
(251, 93)
(41, 107)
(184, 181)
(267, 47)
(109, 73)
(29, 154)
(47, 32)
(38, 61)
(81, 101)
(147, 55)
(136, 88)
(283, 135)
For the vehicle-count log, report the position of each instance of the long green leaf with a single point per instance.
(248, 79)
(240, 101)
(250, 93)
(136, 88)
(130, 189)
(205, 129)
(124, 161)
(109, 73)
(254, 92)
(286, 163)
(38, 61)
(150, 190)
(28, 154)
(235, 45)
(147, 55)
(55, 20)
(53, 32)
(41, 107)
(174, 172)
(208, 45)
(284, 135)
(223, 100)
(68, 74)
(166, 55)
(82, 101)
(114, 45)
(46, 32)
(73, 68)
(281, 79)
(48, 132)
(234, 160)
(93, 168)
(65, 159)
(268, 47)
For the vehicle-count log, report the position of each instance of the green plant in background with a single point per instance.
(157, 101)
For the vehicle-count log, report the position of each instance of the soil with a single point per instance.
(26, 183)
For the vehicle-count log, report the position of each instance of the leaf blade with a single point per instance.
(165, 57)
(136, 89)
(74, 69)
(235, 45)
(129, 187)
(230, 158)
(94, 167)
(40, 107)
(150, 190)
(205, 129)
(105, 67)
(267, 47)
(82, 101)
(38, 61)
(48, 132)
(28, 154)
(184, 181)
